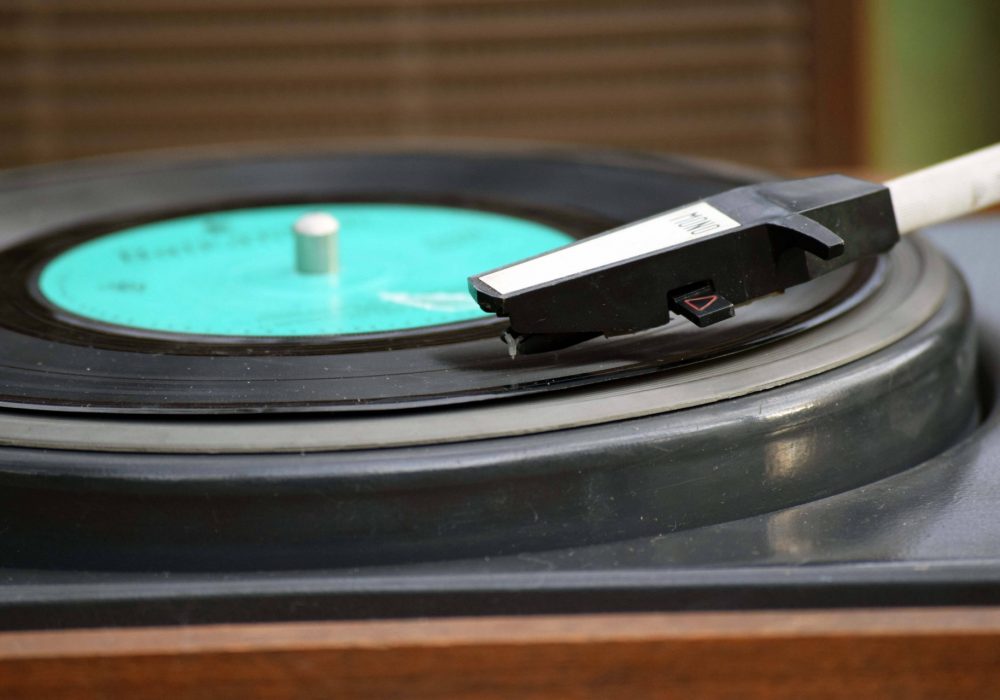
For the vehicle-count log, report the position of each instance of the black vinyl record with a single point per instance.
(109, 368)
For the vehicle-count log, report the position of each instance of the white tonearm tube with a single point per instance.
(947, 190)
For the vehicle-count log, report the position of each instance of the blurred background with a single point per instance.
(789, 84)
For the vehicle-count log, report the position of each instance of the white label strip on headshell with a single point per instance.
(657, 233)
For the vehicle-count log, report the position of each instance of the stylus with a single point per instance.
(703, 259)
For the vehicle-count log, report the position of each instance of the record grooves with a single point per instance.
(113, 369)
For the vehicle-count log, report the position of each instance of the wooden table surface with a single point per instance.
(886, 653)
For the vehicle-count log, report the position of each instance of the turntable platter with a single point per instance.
(351, 438)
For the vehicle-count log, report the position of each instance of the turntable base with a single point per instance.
(832, 447)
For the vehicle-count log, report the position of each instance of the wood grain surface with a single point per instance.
(932, 653)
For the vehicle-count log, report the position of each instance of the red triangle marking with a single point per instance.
(706, 302)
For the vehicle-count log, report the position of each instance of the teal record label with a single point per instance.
(233, 272)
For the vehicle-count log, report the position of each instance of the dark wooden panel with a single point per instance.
(839, 135)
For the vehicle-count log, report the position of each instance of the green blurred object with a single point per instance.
(935, 80)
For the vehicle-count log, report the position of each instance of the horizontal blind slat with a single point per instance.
(81, 77)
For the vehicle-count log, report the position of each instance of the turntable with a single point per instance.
(197, 427)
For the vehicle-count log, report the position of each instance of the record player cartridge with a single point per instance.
(701, 260)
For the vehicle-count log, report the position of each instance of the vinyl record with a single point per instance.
(166, 311)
